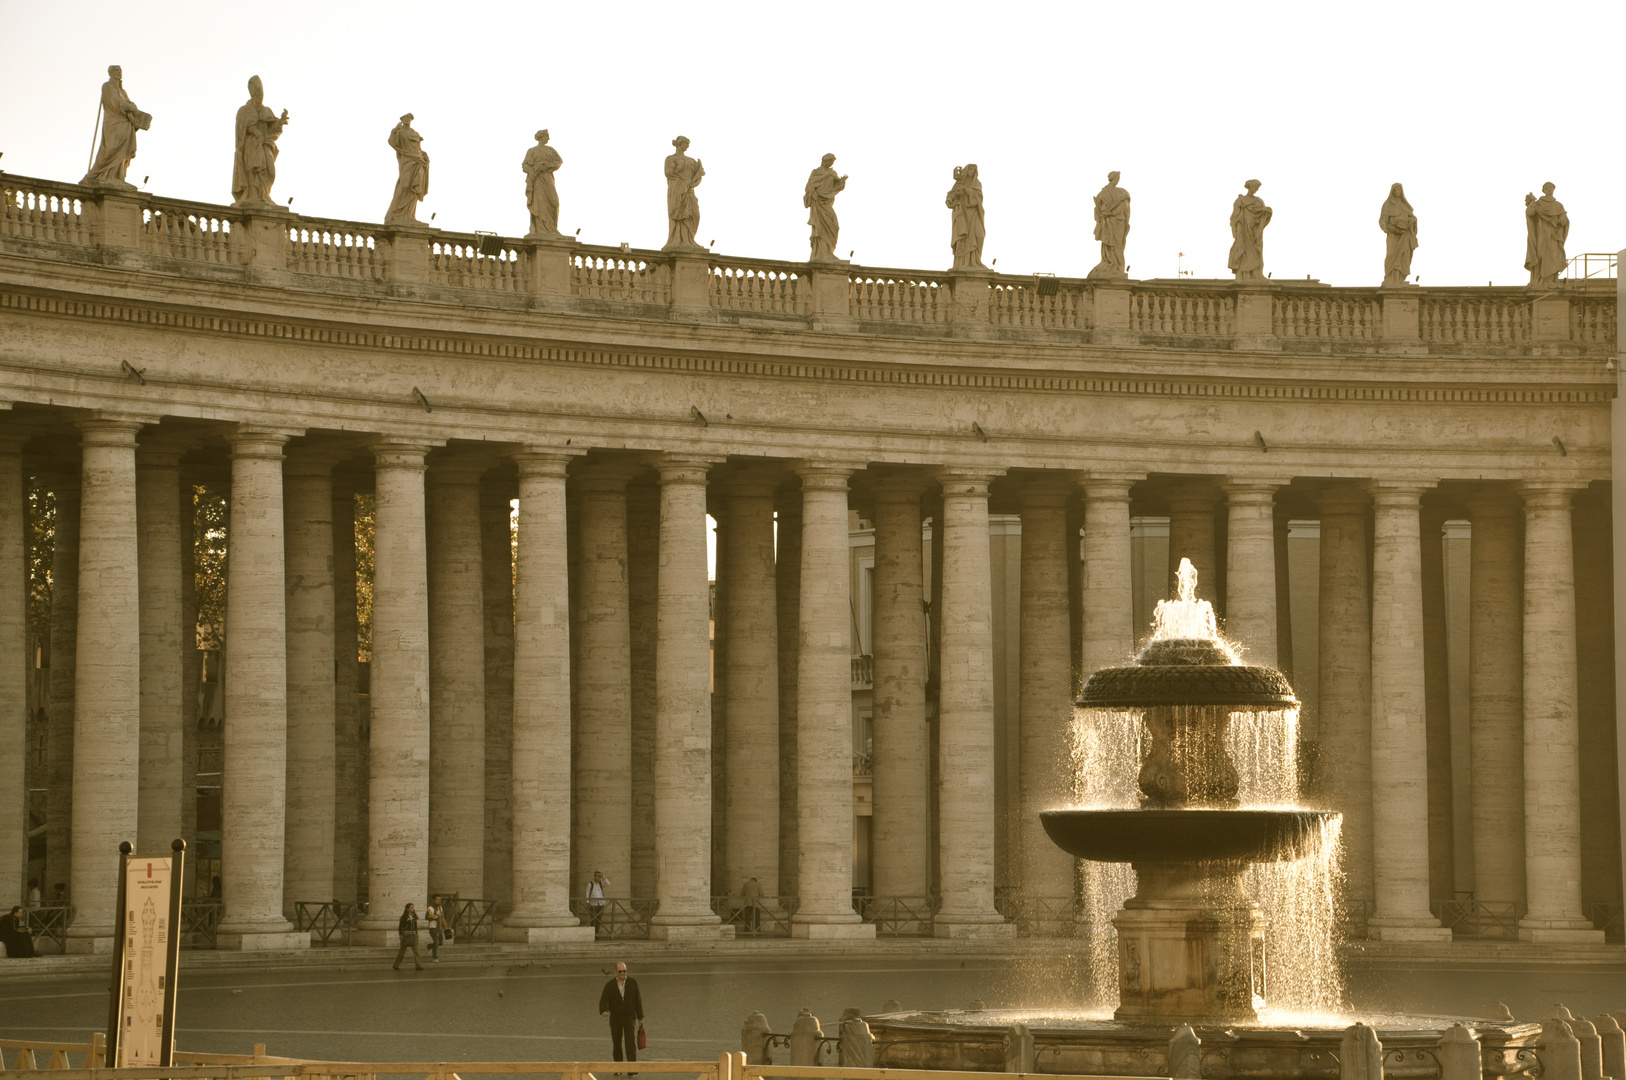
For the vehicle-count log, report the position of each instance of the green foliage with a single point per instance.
(210, 518)
(41, 557)
(366, 507)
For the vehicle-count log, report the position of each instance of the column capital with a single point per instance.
(1244, 486)
(685, 468)
(1194, 495)
(964, 480)
(1109, 485)
(311, 461)
(103, 430)
(757, 480)
(395, 453)
(153, 457)
(549, 462)
(1398, 493)
(1052, 488)
(459, 469)
(265, 443)
(611, 475)
(1550, 494)
(900, 485)
(1344, 499)
(1491, 500)
(824, 475)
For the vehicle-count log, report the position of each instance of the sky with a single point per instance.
(1470, 105)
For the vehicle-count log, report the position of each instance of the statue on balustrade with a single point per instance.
(965, 199)
(1111, 228)
(541, 162)
(412, 183)
(1249, 216)
(820, 199)
(1399, 227)
(120, 121)
(1547, 227)
(683, 175)
(254, 169)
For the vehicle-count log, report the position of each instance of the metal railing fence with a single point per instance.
(756, 916)
(619, 918)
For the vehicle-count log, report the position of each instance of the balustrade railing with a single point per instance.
(334, 249)
(181, 232)
(863, 672)
(1592, 319)
(1045, 304)
(1323, 316)
(1183, 313)
(748, 287)
(624, 277)
(883, 296)
(39, 211)
(462, 264)
(756, 916)
(1464, 320)
(619, 918)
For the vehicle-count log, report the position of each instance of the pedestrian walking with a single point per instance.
(621, 1002)
(34, 897)
(595, 900)
(434, 919)
(14, 933)
(408, 929)
(752, 891)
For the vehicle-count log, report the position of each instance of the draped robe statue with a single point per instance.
(541, 161)
(969, 230)
(254, 168)
(120, 122)
(820, 199)
(412, 183)
(1249, 216)
(1399, 227)
(1547, 227)
(683, 175)
(1111, 228)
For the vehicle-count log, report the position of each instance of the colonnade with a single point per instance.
(609, 617)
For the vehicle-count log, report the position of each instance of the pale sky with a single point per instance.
(1470, 105)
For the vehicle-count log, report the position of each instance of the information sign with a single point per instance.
(141, 1024)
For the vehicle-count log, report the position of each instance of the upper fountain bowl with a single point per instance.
(1187, 671)
(1184, 835)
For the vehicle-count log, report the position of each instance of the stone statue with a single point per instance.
(541, 162)
(1547, 226)
(1249, 216)
(1399, 227)
(965, 199)
(120, 122)
(413, 182)
(683, 175)
(254, 169)
(820, 199)
(855, 1045)
(1111, 228)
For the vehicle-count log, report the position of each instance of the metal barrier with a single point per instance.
(1039, 916)
(1606, 917)
(1481, 919)
(51, 921)
(756, 916)
(471, 920)
(898, 916)
(200, 922)
(1352, 916)
(618, 918)
(325, 919)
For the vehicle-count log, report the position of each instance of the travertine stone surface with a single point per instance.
(683, 707)
(1109, 598)
(1437, 674)
(541, 804)
(254, 166)
(457, 684)
(1344, 769)
(1496, 696)
(788, 593)
(65, 484)
(643, 558)
(412, 180)
(1111, 228)
(107, 690)
(1192, 510)
(307, 488)
(824, 717)
(158, 525)
(751, 620)
(966, 225)
(398, 747)
(900, 830)
(683, 175)
(541, 195)
(819, 196)
(1249, 216)
(349, 779)
(120, 122)
(602, 777)
(1399, 227)
(1046, 686)
(497, 570)
(14, 644)
(1399, 722)
(1547, 227)
(1552, 788)
(966, 714)
(1250, 569)
(253, 801)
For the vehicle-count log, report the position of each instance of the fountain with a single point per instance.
(1186, 763)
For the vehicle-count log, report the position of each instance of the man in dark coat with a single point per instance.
(621, 1002)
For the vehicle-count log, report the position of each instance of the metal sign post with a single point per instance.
(146, 952)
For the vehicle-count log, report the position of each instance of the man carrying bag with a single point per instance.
(621, 1002)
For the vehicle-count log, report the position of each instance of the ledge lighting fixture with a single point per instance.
(694, 411)
(1259, 437)
(490, 244)
(422, 400)
(130, 369)
(1046, 284)
(1562, 449)
(981, 434)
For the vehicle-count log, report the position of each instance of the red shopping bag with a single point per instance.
(643, 1039)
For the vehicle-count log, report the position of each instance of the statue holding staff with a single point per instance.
(1111, 228)
(1399, 227)
(820, 199)
(541, 162)
(254, 167)
(968, 227)
(683, 175)
(412, 183)
(1547, 227)
(120, 122)
(1249, 216)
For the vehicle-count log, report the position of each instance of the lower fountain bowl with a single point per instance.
(1191, 835)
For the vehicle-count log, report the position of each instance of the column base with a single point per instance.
(257, 941)
(375, 936)
(1380, 929)
(706, 931)
(994, 928)
(1561, 933)
(88, 946)
(843, 931)
(546, 935)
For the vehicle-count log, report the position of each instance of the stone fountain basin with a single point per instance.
(1187, 835)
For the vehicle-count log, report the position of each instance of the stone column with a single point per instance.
(1437, 682)
(1250, 569)
(541, 761)
(643, 564)
(107, 681)
(14, 648)
(1191, 536)
(398, 746)
(457, 682)
(602, 780)
(1496, 696)
(191, 666)
(824, 717)
(1552, 783)
(497, 570)
(683, 708)
(158, 527)
(254, 738)
(1109, 596)
(349, 840)
(1284, 597)
(65, 485)
(966, 713)
(752, 685)
(1399, 721)
(901, 827)
(788, 593)
(1046, 687)
(312, 693)
(1344, 771)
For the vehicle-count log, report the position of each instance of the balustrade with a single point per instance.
(882, 297)
(619, 277)
(35, 212)
(180, 232)
(334, 249)
(733, 287)
(462, 264)
(1183, 313)
(1049, 306)
(1592, 319)
(1459, 320)
(1325, 317)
